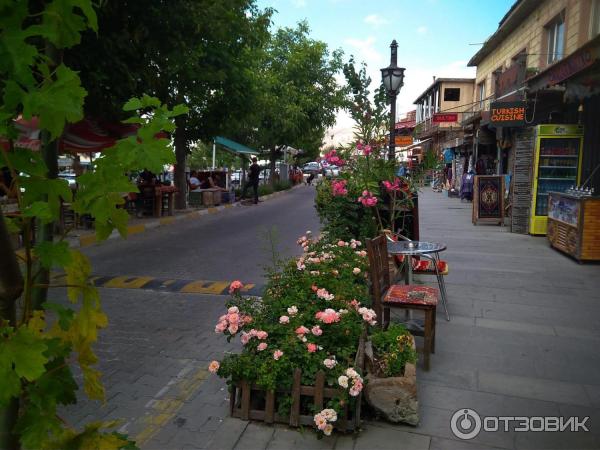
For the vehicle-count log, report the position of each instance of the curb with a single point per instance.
(90, 239)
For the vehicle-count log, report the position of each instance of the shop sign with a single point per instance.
(445, 117)
(508, 114)
(403, 141)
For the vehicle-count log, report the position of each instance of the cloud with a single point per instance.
(375, 20)
(422, 29)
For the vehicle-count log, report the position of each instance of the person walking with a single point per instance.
(253, 175)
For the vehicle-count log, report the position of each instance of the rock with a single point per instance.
(395, 398)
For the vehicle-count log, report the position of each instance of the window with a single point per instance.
(481, 93)
(451, 94)
(556, 39)
(595, 20)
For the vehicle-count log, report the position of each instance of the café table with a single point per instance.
(159, 193)
(415, 248)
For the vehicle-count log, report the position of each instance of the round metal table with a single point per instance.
(414, 248)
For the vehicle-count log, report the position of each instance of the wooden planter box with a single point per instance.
(251, 402)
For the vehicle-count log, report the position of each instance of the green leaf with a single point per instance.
(179, 110)
(53, 253)
(11, 225)
(57, 102)
(23, 352)
(65, 315)
(133, 104)
(40, 210)
(28, 162)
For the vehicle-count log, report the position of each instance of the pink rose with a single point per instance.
(301, 330)
(245, 338)
(341, 244)
(214, 366)
(233, 328)
(284, 320)
(233, 318)
(330, 363)
(262, 334)
(262, 346)
(221, 326)
(311, 347)
(235, 286)
(277, 354)
(316, 330)
(356, 271)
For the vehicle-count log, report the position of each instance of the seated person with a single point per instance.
(194, 182)
(146, 177)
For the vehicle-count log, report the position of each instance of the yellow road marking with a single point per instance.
(127, 282)
(247, 287)
(85, 241)
(134, 229)
(213, 210)
(163, 410)
(167, 220)
(202, 287)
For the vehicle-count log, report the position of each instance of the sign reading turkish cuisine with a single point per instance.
(508, 114)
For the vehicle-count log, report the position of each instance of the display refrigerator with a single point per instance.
(557, 167)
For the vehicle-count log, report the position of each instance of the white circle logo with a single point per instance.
(465, 424)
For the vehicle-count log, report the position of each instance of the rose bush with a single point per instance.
(311, 317)
(367, 198)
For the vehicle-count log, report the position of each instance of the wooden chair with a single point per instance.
(425, 265)
(406, 297)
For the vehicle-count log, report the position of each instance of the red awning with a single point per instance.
(405, 125)
(86, 136)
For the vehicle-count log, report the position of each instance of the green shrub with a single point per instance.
(392, 349)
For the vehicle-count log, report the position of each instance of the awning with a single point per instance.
(235, 147)
(85, 136)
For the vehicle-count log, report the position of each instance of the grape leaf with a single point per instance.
(57, 102)
(53, 253)
(41, 210)
(27, 353)
(78, 272)
(65, 315)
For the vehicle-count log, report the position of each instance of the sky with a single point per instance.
(435, 38)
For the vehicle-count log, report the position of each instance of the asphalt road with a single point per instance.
(233, 244)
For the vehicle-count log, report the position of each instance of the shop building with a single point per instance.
(536, 104)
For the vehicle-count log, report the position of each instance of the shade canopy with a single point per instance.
(235, 147)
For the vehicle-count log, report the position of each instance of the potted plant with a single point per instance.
(391, 381)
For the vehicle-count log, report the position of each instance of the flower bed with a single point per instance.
(301, 340)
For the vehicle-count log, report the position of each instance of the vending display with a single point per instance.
(557, 168)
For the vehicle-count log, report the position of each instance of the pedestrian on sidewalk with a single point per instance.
(253, 175)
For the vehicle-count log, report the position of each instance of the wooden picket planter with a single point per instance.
(251, 402)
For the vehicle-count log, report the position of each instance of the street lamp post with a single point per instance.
(393, 80)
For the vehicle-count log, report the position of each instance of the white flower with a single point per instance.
(356, 271)
(330, 363)
(292, 310)
(284, 320)
(351, 372)
(328, 429)
(329, 414)
(343, 381)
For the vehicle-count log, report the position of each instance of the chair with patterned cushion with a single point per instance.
(425, 265)
(400, 296)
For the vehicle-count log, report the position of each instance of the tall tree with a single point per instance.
(299, 93)
(197, 52)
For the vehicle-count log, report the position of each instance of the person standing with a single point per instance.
(253, 175)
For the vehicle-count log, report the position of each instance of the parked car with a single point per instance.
(331, 170)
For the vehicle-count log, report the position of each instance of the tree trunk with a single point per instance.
(181, 152)
(11, 287)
